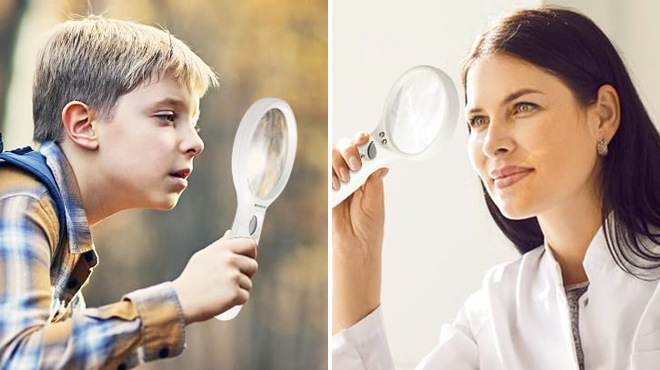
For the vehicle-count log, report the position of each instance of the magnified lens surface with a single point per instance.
(267, 153)
(413, 118)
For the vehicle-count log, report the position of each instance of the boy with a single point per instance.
(115, 109)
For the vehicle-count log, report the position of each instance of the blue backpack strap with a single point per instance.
(35, 163)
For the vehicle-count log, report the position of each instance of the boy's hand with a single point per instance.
(217, 278)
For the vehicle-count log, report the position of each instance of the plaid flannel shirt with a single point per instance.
(44, 323)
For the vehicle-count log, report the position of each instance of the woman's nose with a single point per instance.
(498, 140)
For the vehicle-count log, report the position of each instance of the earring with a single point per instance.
(601, 148)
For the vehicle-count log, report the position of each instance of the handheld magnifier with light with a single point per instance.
(420, 114)
(262, 159)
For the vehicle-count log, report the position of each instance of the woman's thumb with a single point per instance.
(373, 189)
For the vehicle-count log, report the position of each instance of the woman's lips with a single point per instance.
(507, 176)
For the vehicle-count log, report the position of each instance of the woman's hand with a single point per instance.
(357, 238)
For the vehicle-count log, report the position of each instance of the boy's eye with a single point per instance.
(166, 116)
(477, 121)
(524, 107)
(197, 128)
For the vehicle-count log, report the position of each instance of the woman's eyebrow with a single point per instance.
(509, 98)
(516, 94)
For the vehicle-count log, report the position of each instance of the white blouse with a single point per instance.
(520, 319)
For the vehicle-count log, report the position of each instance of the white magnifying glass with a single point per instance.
(261, 163)
(420, 114)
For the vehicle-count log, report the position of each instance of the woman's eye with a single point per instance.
(525, 107)
(477, 121)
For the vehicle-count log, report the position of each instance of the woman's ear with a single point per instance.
(607, 113)
(78, 120)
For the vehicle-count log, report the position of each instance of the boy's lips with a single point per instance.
(182, 173)
(180, 176)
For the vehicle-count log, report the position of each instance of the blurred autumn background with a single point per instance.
(259, 48)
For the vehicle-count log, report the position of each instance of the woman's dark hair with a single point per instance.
(570, 46)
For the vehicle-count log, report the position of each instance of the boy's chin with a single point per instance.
(166, 204)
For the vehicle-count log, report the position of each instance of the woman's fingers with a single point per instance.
(361, 138)
(346, 158)
(339, 165)
(335, 180)
(349, 152)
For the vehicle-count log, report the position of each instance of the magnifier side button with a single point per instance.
(372, 151)
(253, 225)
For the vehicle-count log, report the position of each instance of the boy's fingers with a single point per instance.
(245, 282)
(244, 246)
(248, 266)
(243, 296)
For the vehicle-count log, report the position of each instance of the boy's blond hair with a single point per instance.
(96, 60)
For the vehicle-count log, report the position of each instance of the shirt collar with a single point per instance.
(80, 236)
(597, 258)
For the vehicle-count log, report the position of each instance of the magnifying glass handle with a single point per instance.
(230, 314)
(374, 156)
(245, 225)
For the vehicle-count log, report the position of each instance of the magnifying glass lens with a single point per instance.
(414, 118)
(262, 159)
(420, 112)
(268, 153)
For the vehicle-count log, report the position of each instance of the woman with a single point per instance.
(569, 161)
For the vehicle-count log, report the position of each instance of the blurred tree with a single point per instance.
(11, 13)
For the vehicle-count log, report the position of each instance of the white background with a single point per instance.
(439, 238)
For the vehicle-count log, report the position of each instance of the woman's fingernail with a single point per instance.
(353, 163)
(343, 174)
(335, 183)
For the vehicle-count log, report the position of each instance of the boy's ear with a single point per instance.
(78, 120)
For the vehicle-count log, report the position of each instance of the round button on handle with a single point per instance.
(372, 150)
(253, 225)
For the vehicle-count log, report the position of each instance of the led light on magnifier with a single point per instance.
(262, 159)
(420, 114)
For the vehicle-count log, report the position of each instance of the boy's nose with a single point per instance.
(194, 146)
